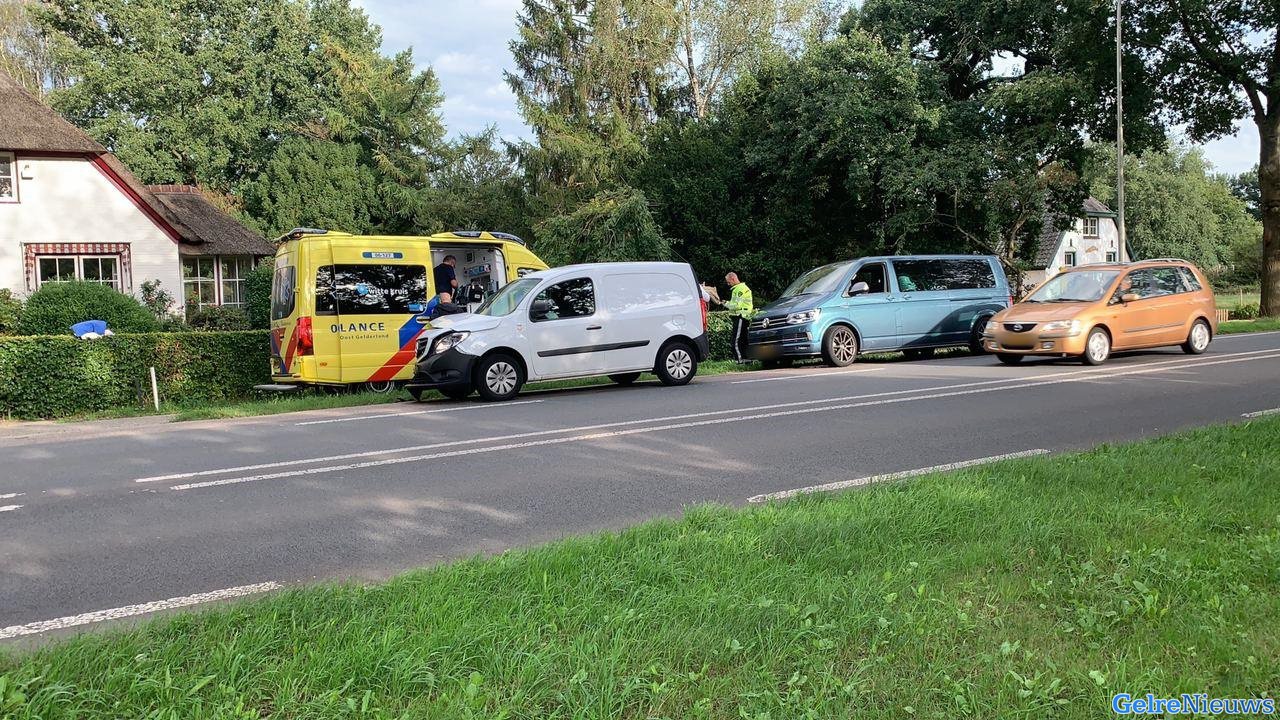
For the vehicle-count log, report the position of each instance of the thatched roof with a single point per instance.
(205, 228)
(28, 124)
(1051, 235)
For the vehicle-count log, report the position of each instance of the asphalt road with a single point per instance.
(100, 516)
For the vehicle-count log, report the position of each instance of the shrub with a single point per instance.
(47, 377)
(258, 296)
(1250, 311)
(55, 307)
(217, 317)
(720, 335)
(10, 309)
(158, 300)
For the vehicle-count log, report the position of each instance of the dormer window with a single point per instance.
(1091, 227)
(8, 178)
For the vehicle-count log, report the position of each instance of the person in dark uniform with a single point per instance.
(445, 306)
(445, 276)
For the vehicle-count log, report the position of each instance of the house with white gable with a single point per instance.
(1093, 237)
(69, 210)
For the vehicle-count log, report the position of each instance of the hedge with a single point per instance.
(56, 376)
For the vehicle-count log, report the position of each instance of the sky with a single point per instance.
(465, 42)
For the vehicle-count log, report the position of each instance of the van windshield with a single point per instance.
(506, 300)
(1080, 286)
(819, 281)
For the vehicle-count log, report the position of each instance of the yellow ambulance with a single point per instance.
(347, 310)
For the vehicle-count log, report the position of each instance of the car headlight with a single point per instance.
(1068, 327)
(448, 341)
(801, 318)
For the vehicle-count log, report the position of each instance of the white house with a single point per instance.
(70, 210)
(1093, 237)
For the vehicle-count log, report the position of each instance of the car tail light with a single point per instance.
(1010, 301)
(306, 342)
(703, 301)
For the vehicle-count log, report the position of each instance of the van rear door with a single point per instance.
(284, 316)
(378, 299)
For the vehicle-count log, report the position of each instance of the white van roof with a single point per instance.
(616, 267)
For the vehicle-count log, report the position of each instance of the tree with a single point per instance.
(25, 55)
(1215, 62)
(613, 226)
(313, 183)
(1177, 208)
(1245, 186)
(480, 187)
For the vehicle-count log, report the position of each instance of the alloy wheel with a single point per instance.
(844, 346)
(1200, 337)
(1099, 347)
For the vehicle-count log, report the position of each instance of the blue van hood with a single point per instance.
(796, 303)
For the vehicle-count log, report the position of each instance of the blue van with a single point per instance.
(912, 303)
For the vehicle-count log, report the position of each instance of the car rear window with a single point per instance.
(283, 283)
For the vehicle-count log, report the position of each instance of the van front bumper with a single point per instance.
(785, 341)
(449, 369)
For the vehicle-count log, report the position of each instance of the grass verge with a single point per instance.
(1033, 588)
(1236, 327)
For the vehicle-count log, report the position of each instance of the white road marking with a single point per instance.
(1182, 362)
(11, 508)
(1261, 413)
(887, 477)
(415, 412)
(806, 376)
(1072, 377)
(70, 621)
(6, 496)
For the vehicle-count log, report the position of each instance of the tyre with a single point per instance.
(918, 353)
(1097, 348)
(677, 363)
(975, 336)
(625, 379)
(840, 346)
(1009, 359)
(1198, 339)
(382, 387)
(416, 394)
(456, 392)
(498, 377)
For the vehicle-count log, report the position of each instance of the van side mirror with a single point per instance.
(859, 288)
(1130, 297)
(539, 309)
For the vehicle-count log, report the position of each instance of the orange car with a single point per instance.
(1089, 311)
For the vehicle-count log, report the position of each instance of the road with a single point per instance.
(98, 517)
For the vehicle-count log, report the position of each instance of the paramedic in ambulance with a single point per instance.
(444, 306)
(445, 276)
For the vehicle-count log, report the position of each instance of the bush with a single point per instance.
(47, 377)
(55, 307)
(1249, 311)
(217, 317)
(720, 335)
(10, 309)
(258, 296)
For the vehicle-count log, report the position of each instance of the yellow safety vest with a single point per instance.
(740, 301)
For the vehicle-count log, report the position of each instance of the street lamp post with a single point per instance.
(1120, 134)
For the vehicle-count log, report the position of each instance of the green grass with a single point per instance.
(1232, 299)
(1235, 327)
(1030, 589)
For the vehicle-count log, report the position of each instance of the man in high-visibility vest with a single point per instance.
(743, 307)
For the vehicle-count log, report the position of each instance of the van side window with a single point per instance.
(936, 275)
(873, 275)
(370, 289)
(568, 299)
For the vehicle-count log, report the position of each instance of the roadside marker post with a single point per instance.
(155, 392)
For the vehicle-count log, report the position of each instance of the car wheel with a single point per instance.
(456, 392)
(1097, 348)
(381, 388)
(625, 378)
(840, 346)
(498, 377)
(1009, 359)
(677, 363)
(1199, 338)
(976, 346)
(918, 353)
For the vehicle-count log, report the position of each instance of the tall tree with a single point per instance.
(25, 55)
(1215, 62)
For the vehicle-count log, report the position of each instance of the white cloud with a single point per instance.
(1236, 153)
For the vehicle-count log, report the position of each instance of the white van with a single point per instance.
(614, 319)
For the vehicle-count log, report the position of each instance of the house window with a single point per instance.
(1112, 256)
(1091, 227)
(199, 281)
(232, 274)
(103, 269)
(8, 177)
(1069, 259)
